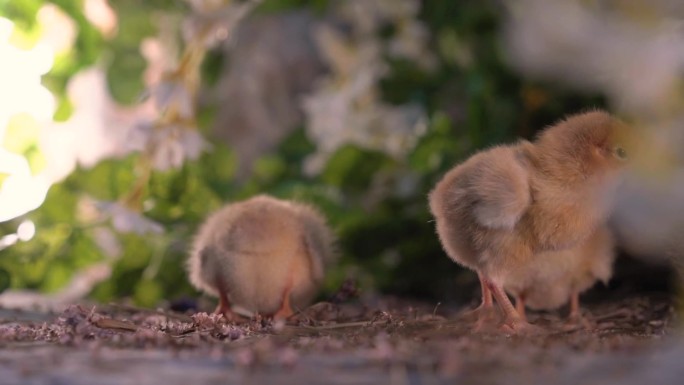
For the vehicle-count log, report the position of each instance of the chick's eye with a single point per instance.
(620, 153)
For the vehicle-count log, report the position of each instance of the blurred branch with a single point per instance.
(81, 284)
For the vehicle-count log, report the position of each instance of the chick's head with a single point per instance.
(583, 145)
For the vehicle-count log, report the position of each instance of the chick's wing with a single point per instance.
(500, 188)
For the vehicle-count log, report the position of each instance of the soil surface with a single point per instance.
(625, 339)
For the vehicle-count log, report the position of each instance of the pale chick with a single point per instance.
(262, 256)
(501, 208)
(561, 276)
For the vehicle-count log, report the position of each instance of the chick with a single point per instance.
(262, 255)
(561, 276)
(498, 211)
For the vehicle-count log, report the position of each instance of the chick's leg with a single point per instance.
(575, 318)
(487, 302)
(513, 322)
(485, 315)
(285, 310)
(224, 304)
(575, 312)
(520, 306)
(486, 293)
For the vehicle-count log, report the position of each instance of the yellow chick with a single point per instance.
(500, 209)
(261, 256)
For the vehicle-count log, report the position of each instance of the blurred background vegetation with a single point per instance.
(356, 106)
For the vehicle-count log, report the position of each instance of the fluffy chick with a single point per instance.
(262, 255)
(561, 276)
(501, 208)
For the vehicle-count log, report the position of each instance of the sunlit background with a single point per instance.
(124, 123)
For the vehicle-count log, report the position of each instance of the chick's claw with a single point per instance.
(285, 310)
(486, 319)
(576, 321)
(224, 306)
(228, 314)
(521, 327)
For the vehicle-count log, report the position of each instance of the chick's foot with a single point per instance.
(225, 308)
(485, 318)
(577, 321)
(227, 313)
(521, 327)
(285, 310)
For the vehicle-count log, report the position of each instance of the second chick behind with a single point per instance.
(262, 255)
(561, 276)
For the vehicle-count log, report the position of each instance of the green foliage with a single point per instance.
(23, 13)
(273, 6)
(136, 22)
(351, 169)
(5, 280)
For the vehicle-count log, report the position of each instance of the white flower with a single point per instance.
(102, 16)
(346, 107)
(59, 30)
(337, 118)
(20, 76)
(410, 43)
(20, 192)
(168, 146)
(171, 145)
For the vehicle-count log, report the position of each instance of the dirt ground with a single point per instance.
(628, 338)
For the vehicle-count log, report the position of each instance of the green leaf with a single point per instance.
(352, 168)
(137, 252)
(269, 168)
(124, 76)
(108, 180)
(57, 277)
(147, 293)
(439, 148)
(22, 13)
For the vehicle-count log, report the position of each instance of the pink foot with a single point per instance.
(520, 327)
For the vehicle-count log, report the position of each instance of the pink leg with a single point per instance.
(520, 306)
(575, 317)
(485, 314)
(285, 310)
(513, 321)
(486, 293)
(575, 312)
(224, 304)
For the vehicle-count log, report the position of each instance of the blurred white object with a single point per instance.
(635, 59)
(20, 192)
(649, 218)
(633, 52)
(126, 220)
(80, 285)
(169, 146)
(102, 16)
